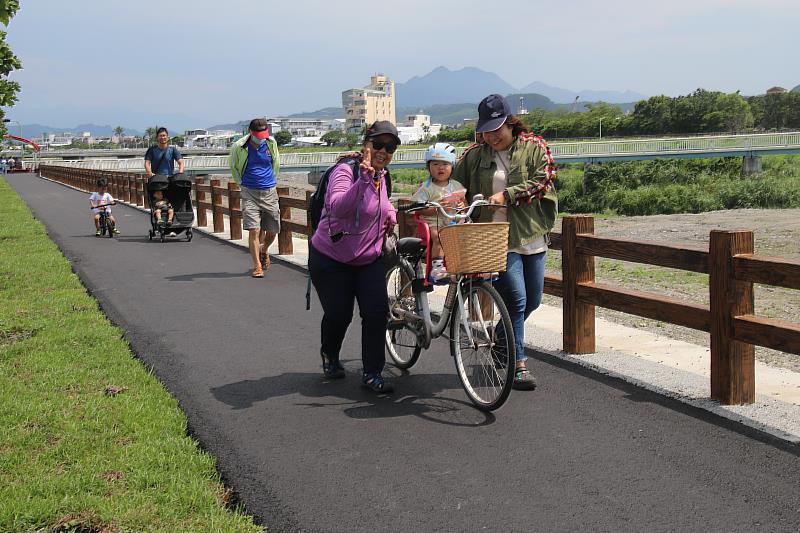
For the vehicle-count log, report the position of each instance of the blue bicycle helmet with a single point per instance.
(441, 152)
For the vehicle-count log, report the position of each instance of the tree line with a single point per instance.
(701, 111)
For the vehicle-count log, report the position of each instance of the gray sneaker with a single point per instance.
(523, 380)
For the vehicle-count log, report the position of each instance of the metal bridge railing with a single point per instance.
(564, 151)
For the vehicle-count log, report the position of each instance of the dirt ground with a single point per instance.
(776, 232)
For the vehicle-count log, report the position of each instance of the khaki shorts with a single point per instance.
(260, 209)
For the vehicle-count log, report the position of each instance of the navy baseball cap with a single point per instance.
(492, 113)
(383, 127)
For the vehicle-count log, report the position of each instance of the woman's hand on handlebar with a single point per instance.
(498, 198)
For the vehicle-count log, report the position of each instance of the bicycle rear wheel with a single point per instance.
(484, 358)
(401, 337)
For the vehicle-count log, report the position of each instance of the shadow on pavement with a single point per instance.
(209, 275)
(356, 402)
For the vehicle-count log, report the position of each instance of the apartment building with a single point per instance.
(374, 102)
(304, 127)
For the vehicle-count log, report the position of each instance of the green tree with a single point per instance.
(8, 61)
(352, 140)
(453, 135)
(731, 113)
(119, 131)
(149, 136)
(332, 137)
(178, 140)
(283, 137)
(652, 116)
(776, 109)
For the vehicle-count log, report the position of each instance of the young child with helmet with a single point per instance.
(439, 159)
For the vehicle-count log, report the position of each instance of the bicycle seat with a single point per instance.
(410, 246)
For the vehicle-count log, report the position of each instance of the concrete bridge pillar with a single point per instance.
(751, 164)
(588, 168)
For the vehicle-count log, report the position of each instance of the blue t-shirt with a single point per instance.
(167, 166)
(258, 173)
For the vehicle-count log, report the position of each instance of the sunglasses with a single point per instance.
(390, 147)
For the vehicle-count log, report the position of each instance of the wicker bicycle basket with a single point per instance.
(480, 247)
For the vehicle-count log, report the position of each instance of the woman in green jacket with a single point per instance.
(514, 168)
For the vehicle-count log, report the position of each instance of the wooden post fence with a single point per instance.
(733, 368)
(285, 245)
(216, 206)
(578, 336)
(235, 210)
(200, 200)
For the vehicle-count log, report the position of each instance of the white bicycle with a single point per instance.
(481, 335)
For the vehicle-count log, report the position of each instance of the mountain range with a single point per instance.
(470, 84)
(448, 96)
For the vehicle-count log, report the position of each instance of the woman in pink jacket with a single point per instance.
(345, 255)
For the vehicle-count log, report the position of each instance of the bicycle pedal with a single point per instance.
(395, 324)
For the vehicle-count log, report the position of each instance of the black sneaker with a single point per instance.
(332, 369)
(376, 383)
(523, 380)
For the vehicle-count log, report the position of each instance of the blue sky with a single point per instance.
(194, 63)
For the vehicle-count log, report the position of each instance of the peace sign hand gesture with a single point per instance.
(366, 161)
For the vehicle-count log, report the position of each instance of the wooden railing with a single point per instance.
(131, 188)
(730, 318)
(729, 261)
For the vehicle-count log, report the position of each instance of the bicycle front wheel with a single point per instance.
(482, 345)
(401, 335)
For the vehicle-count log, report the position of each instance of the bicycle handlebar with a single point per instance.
(477, 201)
(103, 205)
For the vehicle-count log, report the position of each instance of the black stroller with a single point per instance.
(177, 190)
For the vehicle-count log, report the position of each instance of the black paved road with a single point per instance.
(582, 452)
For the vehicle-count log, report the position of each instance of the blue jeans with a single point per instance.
(521, 287)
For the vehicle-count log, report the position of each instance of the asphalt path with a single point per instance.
(582, 452)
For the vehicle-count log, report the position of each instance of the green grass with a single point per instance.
(90, 438)
(668, 186)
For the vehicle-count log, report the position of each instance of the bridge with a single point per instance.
(749, 146)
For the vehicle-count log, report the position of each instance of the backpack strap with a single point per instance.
(354, 163)
(161, 160)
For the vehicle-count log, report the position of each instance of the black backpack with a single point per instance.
(317, 200)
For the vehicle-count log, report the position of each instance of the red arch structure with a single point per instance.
(35, 146)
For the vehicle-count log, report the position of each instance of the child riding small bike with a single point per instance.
(101, 202)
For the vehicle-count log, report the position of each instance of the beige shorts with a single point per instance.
(260, 209)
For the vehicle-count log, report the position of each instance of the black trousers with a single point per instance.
(338, 286)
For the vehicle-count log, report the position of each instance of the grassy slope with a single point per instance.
(72, 449)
